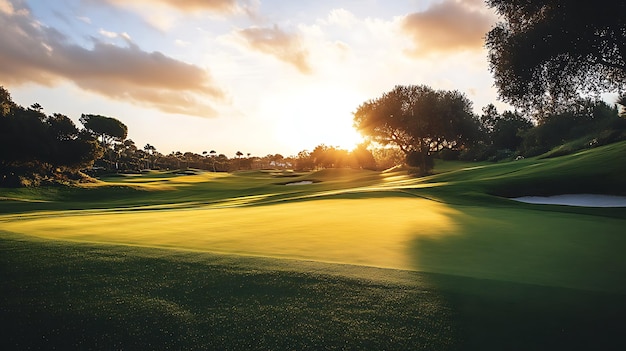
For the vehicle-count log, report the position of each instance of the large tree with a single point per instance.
(545, 52)
(108, 129)
(418, 120)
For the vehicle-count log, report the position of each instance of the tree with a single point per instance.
(151, 151)
(213, 153)
(6, 102)
(108, 129)
(503, 131)
(546, 52)
(62, 127)
(36, 148)
(419, 121)
(363, 157)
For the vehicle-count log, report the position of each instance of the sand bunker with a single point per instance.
(300, 183)
(586, 200)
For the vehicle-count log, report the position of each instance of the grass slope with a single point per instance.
(357, 260)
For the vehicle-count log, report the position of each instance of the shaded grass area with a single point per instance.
(102, 297)
(76, 297)
(599, 170)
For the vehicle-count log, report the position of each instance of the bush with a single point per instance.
(449, 154)
(502, 154)
(478, 152)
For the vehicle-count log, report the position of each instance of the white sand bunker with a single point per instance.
(300, 183)
(586, 200)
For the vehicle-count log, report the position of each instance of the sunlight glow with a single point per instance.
(313, 116)
(341, 231)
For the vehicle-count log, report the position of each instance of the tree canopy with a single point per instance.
(419, 120)
(545, 52)
(108, 129)
(36, 147)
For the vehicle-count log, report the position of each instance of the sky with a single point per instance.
(256, 76)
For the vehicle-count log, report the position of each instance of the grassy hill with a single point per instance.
(353, 260)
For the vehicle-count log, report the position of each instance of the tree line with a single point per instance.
(412, 125)
(425, 124)
(550, 60)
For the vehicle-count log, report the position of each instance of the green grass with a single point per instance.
(356, 260)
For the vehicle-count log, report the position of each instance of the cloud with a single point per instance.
(33, 53)
(182, 43)
(220, 6)
(107, 34)
(448, 26)
(84, 19)
(342, 18)
(161, 16)
(287, 47)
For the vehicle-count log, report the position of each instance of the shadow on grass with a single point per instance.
(76, 297)
(530, 280)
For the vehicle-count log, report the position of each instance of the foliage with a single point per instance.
(582, 118)
(547, 52)
(36, 148)
(108, 129)
(418, 119)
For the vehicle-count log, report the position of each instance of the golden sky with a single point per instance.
(257, 76)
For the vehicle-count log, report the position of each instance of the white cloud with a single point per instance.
(34, 53)
(182, 43)
(110, 35)
(84, 19)
(285, 46)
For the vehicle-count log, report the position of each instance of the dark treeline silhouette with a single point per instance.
(410, 125)
(544, 53)
(424, 124)
(36, 148)
(419, 121)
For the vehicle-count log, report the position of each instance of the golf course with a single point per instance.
(340, 259)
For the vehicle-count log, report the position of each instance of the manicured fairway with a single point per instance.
(354, 260)
(512, 244)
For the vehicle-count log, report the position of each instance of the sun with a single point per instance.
(310, 118)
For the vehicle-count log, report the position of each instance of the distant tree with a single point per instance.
(546, 52)
(108, 129)
(213, 153)
(582, 118)
(504, 131)
(363, 157)
(276, 160)
(304, 161)
(151, 151)
(387, 157)
(419, 121)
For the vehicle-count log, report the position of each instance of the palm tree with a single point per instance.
(213, 154)
(150, 150)
(239, 154)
